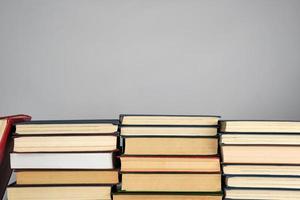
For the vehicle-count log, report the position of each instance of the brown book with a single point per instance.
(170, 146)
(171, 182)
(65, 143)
(261, 154)
(260, 126)
(170, 164)
(52, 177)
(59, 192)
(166, 196)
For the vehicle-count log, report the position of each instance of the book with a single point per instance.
(65, 143)
(67, 127)
(59, 192)
(275, 182)
(170, 164)
(281, 170)
(233, 126)
(99, 160)
(170, 146)
(6, 126)
(261, 154)
(6, 129)
(167, 196)
(171, 182)
(181, 120)
(132, 130)
(69, 177)
(261, 194)
(263, 139)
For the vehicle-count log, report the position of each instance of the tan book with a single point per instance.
(67, 127)
(65, 143)
(261, 126)
(168, 131)
(269, 139)
(52, 177)
(262, 194)
(171, 182)
(191, 120)
(170, 146)
(261, 154)
(283, 170)
(166, 196)
(59, 192)
(263, 182)
(170, 164)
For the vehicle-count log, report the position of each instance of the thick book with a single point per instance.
(171, 182)
(167, 196)
(261, 194)
(132, 130)
(101, 160)
(280, 170)
(6, 126)
(260, 126)
(261, 139)
(261, 154)
(66, 177)
(67, 127)
(189, 120)
(209, 164)
(270, 182)
(170, 146)
(6, 129)
(65, 143)
(59, 192)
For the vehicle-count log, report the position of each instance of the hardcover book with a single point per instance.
(167, 196)
(181, 120)
(261, 169)
(69, 177)
(208, 164)
(260, 139)
(67, 127)
(261, 154)
(6, 129)
(235, 126)
(266, 182)
(59, 192)
(171, 182)
(95, 160)
(55, 143)
(171, 146)
(133, 130)
(261, 194)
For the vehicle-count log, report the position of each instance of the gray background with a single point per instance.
(64, 59)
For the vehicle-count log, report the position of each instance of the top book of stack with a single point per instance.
(253, 126)
(168, 125)
(68, 127)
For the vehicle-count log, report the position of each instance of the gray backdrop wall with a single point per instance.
(97, 58)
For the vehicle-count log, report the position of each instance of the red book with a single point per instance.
(6, 128)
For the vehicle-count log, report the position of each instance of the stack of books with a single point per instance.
(261, 159)
(169, 157)
(71, 159)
